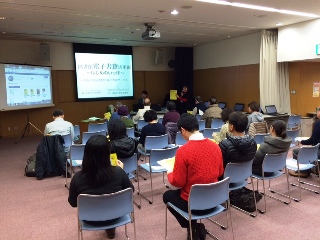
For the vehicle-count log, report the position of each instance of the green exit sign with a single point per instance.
(318, 49)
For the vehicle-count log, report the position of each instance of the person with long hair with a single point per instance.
(120, 143)
(277, 142)
(97, 176)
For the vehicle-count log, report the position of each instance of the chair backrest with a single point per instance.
(258, 128)
(294, 121)
(258, 138)
(76, 130)
(130, 132)
(130, 163)
(274, 162)
(202, 125)
(95, 127)
(216, 123)
(179, 139)
(207, 132)
(87, 135)
(76, 152)
(141, 124)
(206, 196)
(106, 206)
(156, 142)
(67, 140)
(198, 117)
(238, 172)
(160, 154)
(293, 133)
(160, 120)
(308, 154)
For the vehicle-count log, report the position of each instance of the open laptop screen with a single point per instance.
(238, 107)
(222, 105)
(271, 109)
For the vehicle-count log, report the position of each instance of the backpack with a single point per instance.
(243, 198)
(30, 169)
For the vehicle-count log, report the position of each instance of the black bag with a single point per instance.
(243, 198)
(30, 170)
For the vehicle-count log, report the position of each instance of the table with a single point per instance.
(270, 118)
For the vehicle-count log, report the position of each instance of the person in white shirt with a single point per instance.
(140, 113)
(59, 126)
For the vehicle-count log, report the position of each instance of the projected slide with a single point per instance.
(103, 75)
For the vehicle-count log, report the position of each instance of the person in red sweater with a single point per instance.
(199, 161)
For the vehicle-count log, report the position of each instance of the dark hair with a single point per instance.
(117, 129)
(144, 92)
(188, 122)
(171, 105)
(239, 121)
(212, 100)
(57, 113)
(123, 111)
(96, 161)
(198, 98)
(225, 114)
(150, 115)
(279, 127)
(254, 106)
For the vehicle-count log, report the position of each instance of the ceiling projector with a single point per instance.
(150, 33)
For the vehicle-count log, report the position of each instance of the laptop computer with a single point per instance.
(272, 110)
(222, 105)
(238, 107)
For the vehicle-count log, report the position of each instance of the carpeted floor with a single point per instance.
(32, 209)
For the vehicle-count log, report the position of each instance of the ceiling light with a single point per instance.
(2, 18)
(279, 24)
(249, 6)
(298, 13)
(174, 12)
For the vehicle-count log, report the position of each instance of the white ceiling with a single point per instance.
(116, 21)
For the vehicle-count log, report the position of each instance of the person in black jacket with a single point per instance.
(199, 107)
(120, 143)
(239, 147)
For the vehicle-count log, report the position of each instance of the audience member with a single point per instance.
(224, 131)
(200, 107)
(152, 129)
(140, 113)
(144, 95)
(255, 115)
(120, 143)
(199, 161)
(238, 147)
(59, 126)
(97, 176)
(123, 112)
(172, 115)
(183, 100)
(213, 111)
(277, 142)
(115, 114)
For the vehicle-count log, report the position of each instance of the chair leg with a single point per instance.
(164, 183)
(281, 194)
(166, 219)
(150, 202)
(138, 190)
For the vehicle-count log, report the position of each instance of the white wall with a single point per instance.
(236, 51)
(61, 55)
(298, 41)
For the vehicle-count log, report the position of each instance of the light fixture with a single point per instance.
(2, 18)
(174, 12)
(279, 24)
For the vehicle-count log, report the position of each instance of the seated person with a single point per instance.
(120, 143)
(213, 111)
(152, 129)
(144, 95)
(255, 115)
(115, 114)
(189, 170)
(172, 115)
(140, 113)
(239, 147)
(200, 107)
(277, 142)
(123, 112)
(59, 126)
(97, 176)
(218, 137)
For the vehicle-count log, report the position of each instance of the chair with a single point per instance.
(75, 159)
(153, 166)
(293, 133)
(214, 196)
(77, 131)
(140, 125)
(258, 138)
(160, 120)
(258, 128)
(180, 140)
(273, 164)
(154, 142)
(198, 117)
(238, 174)
(96, 127)
(216, 123)
(307, 158)
(294, 121)
(67, 143)
(130, 165)
(87, 135)
(130, 132)
(111, 210)
(202, 125)
(207, 132)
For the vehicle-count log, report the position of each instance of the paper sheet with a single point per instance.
(173, 94)
(167, 163)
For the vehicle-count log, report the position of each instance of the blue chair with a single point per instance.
(96, 127)
(238, 174)
(307, 158)
(202, 125)
(75, 159)
(87, 135)
(198, 117)
(140, 125)
(153, 166)
(273, 164)
(293, 133)
(213, 196)
(216, 123)
(111, 210)
(130, 132)
(294, 121)
(180, 140)
(153, 142)
(67, 143)
(207, 132)
(160, 120)
(77, 133)
(258, 138)
(130, 165)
